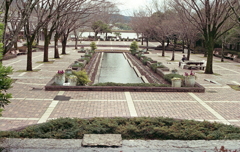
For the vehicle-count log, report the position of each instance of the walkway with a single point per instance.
(31, 104)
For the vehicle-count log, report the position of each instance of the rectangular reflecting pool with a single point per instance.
(115, 68)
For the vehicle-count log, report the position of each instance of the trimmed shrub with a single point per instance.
(131, 84)
(130, 128)
(93, 46)
(145, 60)
(134, 47)
(82, 77)
(168, 77)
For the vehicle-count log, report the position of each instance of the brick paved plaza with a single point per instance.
(30, 106)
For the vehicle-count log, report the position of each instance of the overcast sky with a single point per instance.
(128, 6)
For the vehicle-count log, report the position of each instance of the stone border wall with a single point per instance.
(50, 87)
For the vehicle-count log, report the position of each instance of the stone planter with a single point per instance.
(176, 82)
(72, 80)
(190, 81)
(59, 79)
(68, 71)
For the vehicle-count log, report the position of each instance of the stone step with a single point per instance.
(102, 140)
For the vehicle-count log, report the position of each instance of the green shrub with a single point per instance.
(93, 46)
(168, 77)
(145, 60)
(82, 77)
(34, 44)
(134, 47)
(154, 67)
(5, 84)
(130, 128)
(88, 55)
(131, 84)
(78, 65)
(87, 59)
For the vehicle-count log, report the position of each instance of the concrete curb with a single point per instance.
(14, 144)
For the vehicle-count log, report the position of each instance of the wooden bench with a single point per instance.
(195, 65)
(229, 56)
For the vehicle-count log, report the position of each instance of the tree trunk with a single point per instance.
(56, 52)
(182, 46)
(209, 47)
(174, 48)
(15, 45)
(46, 44)
(29, 54)
(188, 52)
(168, 42)
(205, 49)
(163, 47)
(222, 56)
(64, 44)
(147, 43)
(95, 36)
(76, 42)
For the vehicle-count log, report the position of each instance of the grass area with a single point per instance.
(173, 61)
(55, 58)
(235, 87)
(216, 74)
(130, 128)
(163, 56)
(34, 70)
(131, 84)
(222, 62)
(49, 62)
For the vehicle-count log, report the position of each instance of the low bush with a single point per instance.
(168, 77)
(82, 77)
(145, 60)
(93, 46)
(34, 44)
(130, 128)
(88, 55)
(87, 59)
(131, 84)
(134, 47)
(154, 66)
(78, 65)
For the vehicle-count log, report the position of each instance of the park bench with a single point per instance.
(194, 65)
(229, 56)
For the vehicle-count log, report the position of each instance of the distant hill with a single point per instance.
(122, 18)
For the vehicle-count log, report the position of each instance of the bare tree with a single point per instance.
(236, 9)
(208, 17)
(79, 17)
(43, 13)
(142, 24)
(63, 8)
(17, 11)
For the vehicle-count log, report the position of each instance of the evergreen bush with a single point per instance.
(82, 77)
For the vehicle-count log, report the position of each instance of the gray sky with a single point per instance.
(128, 6)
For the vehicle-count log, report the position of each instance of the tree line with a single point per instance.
(54, 18)
(189, 21)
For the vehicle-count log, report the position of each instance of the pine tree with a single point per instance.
(5, 80)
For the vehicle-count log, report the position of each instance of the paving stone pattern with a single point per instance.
(31, 104)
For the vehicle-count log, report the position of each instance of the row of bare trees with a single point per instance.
(56, 18)
(187, 20)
